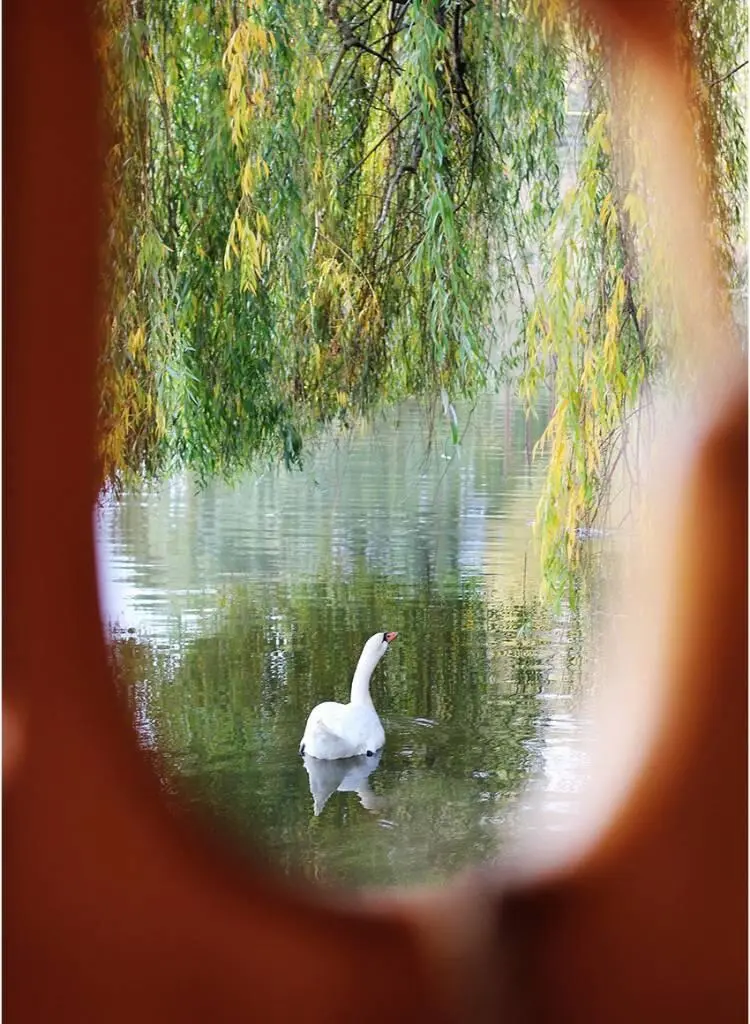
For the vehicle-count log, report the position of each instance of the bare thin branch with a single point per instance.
(379, 143)
(723, 78)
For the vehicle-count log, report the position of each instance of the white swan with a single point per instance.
(349, 730)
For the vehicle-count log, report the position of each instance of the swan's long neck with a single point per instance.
(361, 680)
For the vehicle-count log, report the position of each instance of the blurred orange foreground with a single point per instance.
(115, 911)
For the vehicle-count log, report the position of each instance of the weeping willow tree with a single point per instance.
(316, 208)
(593, 327)
(305, 203)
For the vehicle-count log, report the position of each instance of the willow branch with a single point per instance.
(723, 78)
(410, 168)
(379, 143)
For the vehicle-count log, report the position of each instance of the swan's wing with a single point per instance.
(326, 734)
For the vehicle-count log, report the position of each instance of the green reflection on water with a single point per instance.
(458, 694)
(252, 605)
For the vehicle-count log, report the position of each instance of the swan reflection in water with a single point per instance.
(345, 775)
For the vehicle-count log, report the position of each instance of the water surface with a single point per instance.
(236, 609)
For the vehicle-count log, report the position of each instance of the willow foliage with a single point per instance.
(305, 202)
(320, 206)
(598, 327)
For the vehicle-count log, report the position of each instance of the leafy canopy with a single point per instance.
(321, 206)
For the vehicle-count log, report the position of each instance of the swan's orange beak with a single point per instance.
(390, 637)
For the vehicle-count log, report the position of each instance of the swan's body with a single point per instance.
(337, 730)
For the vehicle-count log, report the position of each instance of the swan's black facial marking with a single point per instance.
(385, 638)
(302, 748)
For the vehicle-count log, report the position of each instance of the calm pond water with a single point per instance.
(233, 611)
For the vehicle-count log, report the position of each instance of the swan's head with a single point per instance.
(376, 647)
(371, 654)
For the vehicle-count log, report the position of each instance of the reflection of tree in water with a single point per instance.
(458, 693)
(382, 499)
